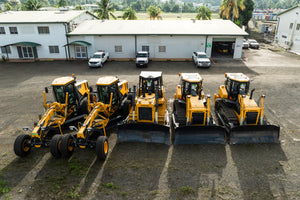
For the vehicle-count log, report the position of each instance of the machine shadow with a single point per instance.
(195, 170)
(259, 169)
(60, 178)
(133, 171)
(14, 172)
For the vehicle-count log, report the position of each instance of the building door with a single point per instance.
(27, 52)
(80, 52)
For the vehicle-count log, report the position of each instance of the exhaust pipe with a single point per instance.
(133, 103)
(156, 105)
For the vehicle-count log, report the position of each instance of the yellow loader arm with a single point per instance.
(93, 122)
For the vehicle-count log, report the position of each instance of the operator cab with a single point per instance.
(106, 86)
(149, 81)
(236, 83)
(191, 84)
(63, 85)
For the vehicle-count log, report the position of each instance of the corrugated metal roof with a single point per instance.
(159, 27)
(38, 16)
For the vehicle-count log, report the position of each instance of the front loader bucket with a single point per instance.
(144, 132)
(199, 135)
(254, 134)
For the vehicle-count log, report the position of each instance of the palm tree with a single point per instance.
(62, 3)
(32, 5)
(105, 9)
(129, 14)
(230, 8)
(154, 12)
(204, 13)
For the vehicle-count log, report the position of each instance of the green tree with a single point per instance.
(62, 3)
(129, 14)
(105, 9)
(137, 5)
(32, 5)
(7, 7)
(246, 14)
(175, 8)
(204, 13)
(154, 12)
(229, 9)
(14, 4)
(166, 7)
(79, 7)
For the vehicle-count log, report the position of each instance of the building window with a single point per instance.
(118, 48)
(13, 30)
(43, 29)
(291, 25)
(5, 50)
(2, 30)
(145, 48)
(162, 49)
(53, 49)
(298, 27)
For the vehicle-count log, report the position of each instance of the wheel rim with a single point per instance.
(70, 147)
(105, 147)
(24, 146)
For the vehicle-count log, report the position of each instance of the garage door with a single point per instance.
(223, 47)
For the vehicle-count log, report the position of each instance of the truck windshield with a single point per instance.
(97, 56)
(141, 55)
(202, 56)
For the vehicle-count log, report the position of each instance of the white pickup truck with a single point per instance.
(98, 59)
(201, 60)
(142, 58)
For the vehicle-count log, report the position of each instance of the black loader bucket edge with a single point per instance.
(144, 132)
(199, 135)
(254, 134)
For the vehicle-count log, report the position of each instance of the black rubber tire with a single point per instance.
(102, 147)
(55, 145)
(21, 145)
(67, 147)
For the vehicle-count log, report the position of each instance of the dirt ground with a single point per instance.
(153, 171)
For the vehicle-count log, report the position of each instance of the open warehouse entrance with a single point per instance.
(223, 47)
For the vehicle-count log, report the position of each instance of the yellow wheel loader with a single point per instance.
(111, 108)
(71, 103)
(243, 118)
(148, 119)
(192, 122)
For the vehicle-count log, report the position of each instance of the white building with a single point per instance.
(288, 29)
(164, 39)
(38, 34)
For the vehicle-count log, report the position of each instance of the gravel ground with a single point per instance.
(153, 171)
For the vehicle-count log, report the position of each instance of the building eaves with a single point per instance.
(287, 10)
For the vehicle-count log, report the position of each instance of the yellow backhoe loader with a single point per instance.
(111, 108)
(243, 118)
(71, 104)
(192, 122)
(148, 119)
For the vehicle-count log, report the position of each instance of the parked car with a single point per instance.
(253, 44)
(98, 59)
(200, 59)
(142, 59)
(245, 44)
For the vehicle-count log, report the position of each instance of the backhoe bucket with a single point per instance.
(254, 134)
(199, 135)
(144, 132)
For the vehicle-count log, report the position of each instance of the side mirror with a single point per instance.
(91, 89)
(46, 90)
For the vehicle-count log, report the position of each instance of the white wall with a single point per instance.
(29, 33)
(238, 48)
(286, 36)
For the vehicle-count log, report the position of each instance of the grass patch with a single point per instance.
(111, 185)
(4, 189)
(72, 193)
(187, 190)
